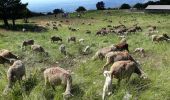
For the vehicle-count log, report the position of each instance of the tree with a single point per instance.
(11, 9)
(138, 6)
(165, 2)
(125, 6)
(58, 11)
(81, 9)
(100, 5)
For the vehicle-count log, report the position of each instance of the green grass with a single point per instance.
(87, 80)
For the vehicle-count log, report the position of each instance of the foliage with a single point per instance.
(58, 11)
(81, 9)
(100, 5)
(125, 6)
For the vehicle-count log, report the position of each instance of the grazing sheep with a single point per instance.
(72, 39)
(122, 46)
(4, 60)
(59, 76)
(159, 38)
(103, 51)
(151, 28)
(60, 25)
(81, 40)
(86, 50)
(55, 38)
(7, 54)
(14, 73)
(27, 43)
(166, 36)
(62, 49)
(121, 70)
(38, 48)
(55, 28)
(112, 57)
(88, 32)
(140, 50)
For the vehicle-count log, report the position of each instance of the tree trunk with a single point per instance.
(13, 22)
(6, 22)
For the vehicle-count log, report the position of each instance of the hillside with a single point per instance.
(87, 78)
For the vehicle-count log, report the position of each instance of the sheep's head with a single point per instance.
(67, 95)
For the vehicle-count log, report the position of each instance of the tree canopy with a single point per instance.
(125, 6)
(12, 9)
(58, 11)
(81, 9)
(100, 5)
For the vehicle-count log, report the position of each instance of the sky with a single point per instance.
(71, 5)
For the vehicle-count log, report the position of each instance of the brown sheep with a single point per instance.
(7, 54)
(72, 39)
(27, 43)
(55, 38)
(121, 70)
(112, 57)
(122, 46)
(103, 51)
(14, 73)
(59, 76)
(38, 48)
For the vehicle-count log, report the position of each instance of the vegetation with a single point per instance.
(87, 80)
(58, 11)
(11, 9)
(125, 6)
(81, 9)
(100, 5)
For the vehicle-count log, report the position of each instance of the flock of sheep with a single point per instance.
(123, 64)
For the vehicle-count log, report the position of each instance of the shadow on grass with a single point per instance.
(27, 27)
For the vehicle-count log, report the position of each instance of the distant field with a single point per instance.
(87, 80)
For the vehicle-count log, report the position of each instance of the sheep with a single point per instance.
(55, 28)
(112, 57)
(107, 88)
(88, 32)
(81, 40)
(103, 51)
(72, 38)
(7, 54)
(159, 38)
(122, 46)
(140, 50)
(86, 50)
(57, 76)
(4, 60)
(62, 49)
(38, 48)
(23, 30)
(15, 73)
(27, 43)
(55, 38)
(121, 70)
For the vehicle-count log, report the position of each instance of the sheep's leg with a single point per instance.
(107, 63)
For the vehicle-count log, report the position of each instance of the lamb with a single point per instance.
(140, 50)
(121, 70)
(7, 54)
(27, 43)
(15, 73)
(81, 40)
(72, 39)
(57, 76)
(62, 49)
(55, 38)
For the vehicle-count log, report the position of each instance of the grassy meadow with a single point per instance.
(87, 80)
